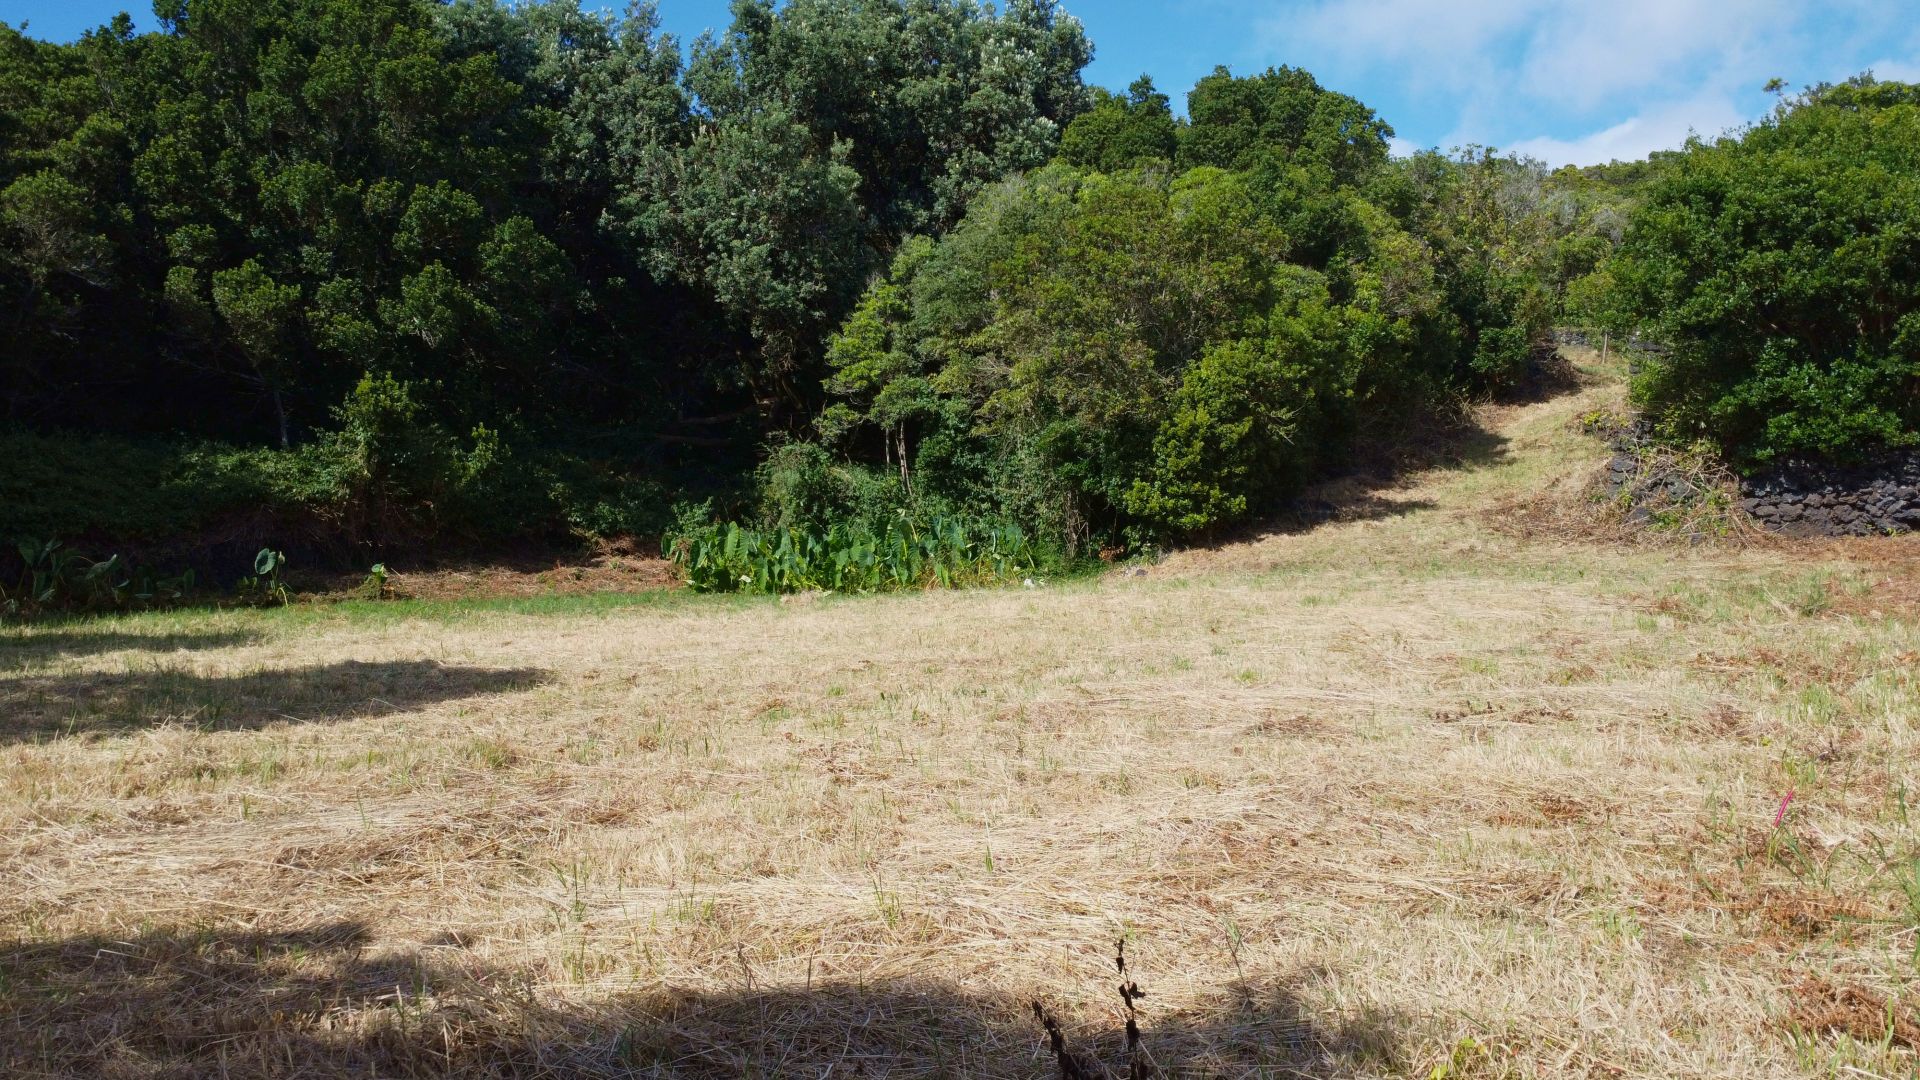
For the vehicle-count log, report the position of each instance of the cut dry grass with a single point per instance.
(1363, 800)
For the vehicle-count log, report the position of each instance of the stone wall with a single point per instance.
(1798, 499)
(1808, 499)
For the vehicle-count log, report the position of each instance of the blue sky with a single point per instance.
(1570, 81)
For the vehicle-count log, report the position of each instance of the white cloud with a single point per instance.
(1427, 40)
(1663, 127)
(1575, 53)
(1581, 55)
(1607, 78)
(1907, 71)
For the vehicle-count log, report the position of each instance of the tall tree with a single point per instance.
(1119, 132)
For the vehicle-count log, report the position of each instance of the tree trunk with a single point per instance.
(280, 415)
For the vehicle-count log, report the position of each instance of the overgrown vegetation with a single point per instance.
(380, 269)
(904, 555)
(367, 272)
(1153, 352)
(1780, 265)
(365, 277)
(53, 577)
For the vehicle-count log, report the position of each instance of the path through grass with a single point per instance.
(1392, 794)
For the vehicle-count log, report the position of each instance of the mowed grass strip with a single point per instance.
(1413, 790)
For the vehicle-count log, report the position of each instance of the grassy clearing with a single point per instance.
(1417, 790)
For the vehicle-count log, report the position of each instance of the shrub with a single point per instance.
(53, 577)
(1782, 267)
(128, 489)
(801, 484)
(386, 478)
(943, 552)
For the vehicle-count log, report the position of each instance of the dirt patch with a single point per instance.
(578, 577)
(1298, 726)
(1896, 597)
(1722, 722)
(1824, 1008)
(1549, 809)
(1794, 913)
(1777, 914)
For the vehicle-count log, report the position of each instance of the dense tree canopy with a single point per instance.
(517, 221)
(361, 270)
(1122, 131)
(1115, 347)
(1783, 266)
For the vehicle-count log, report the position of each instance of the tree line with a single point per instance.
(365, 272)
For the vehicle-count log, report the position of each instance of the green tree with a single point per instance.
(1780, 267)
(1285, 114)
(1484, 216)
(831, 129)
(1122, 132)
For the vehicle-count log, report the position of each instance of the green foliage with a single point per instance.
(53, 577)
(1782, 268)
(769, 223)
(1487, 220)
(828, 129)
(1282, 115)
(363, 272)
(480, 268)
(264, 585)
(1136, 356)
(381, 481)
(801, 484)
(942, 552)
(1123, 132)
(136, 491)
(1230, 426)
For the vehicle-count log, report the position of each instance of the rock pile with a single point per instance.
(1810, 499)
(1801, 498)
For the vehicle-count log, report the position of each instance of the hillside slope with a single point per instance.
(1407, 790)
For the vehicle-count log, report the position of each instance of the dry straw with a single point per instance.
(1394, 794)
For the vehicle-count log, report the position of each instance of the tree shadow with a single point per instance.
(18, 650)
(1550, 374)
(320, 1002)
(931, 1028)
(1363, 491)
(1446, 440)
(44, 706)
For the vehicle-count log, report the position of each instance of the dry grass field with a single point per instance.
(1458, 785)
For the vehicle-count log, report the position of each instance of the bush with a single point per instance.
(128, 490)
(942, 552)
(386, 478)
(801, 484)
(1782, 267)
(52, 577)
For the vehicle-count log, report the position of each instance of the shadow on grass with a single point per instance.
(321, 1003)
(1549, 375)
(1450, 441)
(18, 650)
(43, 706)
(1363, 491)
